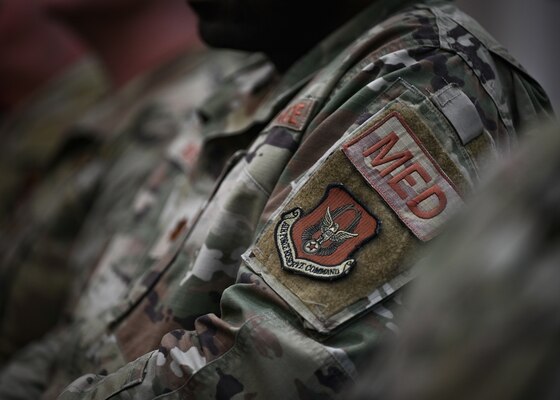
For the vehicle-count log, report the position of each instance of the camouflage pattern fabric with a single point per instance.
(104, 156)
(36, 148)
(484, 318)
(221, 313)
(33, 135)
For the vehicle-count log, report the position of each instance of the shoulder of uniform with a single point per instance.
(245, 81)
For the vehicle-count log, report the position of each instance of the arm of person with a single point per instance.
(364, 166)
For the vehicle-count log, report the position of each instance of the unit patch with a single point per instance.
(324, 252)
(393, 161)
(320, 244)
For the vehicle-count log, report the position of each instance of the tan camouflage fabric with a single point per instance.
(106, 156)
(225, 310)
(485, 318)
(136, 215)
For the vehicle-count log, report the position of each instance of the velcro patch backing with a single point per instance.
(331, 202)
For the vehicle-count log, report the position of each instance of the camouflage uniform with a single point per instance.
(34, 135)
(37, 148)
(104, 156)
(280, 286)
(485, 315)
(135, 214)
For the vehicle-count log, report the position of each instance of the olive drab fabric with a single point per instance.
(285, 273)
(83, 166)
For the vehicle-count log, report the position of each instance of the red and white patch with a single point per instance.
(395, 163)
(320, 243)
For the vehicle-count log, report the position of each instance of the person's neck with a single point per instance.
(286, 56)
(140, 41)
(32, 54)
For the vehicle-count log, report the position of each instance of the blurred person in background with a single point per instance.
(484, 319)
(48, 79)
(162, 138)
(162, 73)
(277, 280)
(131, 37)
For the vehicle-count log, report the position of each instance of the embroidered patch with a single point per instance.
(295, 116)
(386, 263)
(394, 162)
(320, 244)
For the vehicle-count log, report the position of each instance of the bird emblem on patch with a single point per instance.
(320, 243)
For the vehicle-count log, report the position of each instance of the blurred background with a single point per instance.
(530, 30)
(527, 28)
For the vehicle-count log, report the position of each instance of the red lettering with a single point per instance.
(292, 115)
(398, 159)
(295, 112)
(384, 146)
(413, 204)
(407, 176)
(284, 117)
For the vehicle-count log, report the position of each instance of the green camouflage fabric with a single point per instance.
(485, 318)
(106, 156)
(217, 315)
(134, 221)
(37, 145)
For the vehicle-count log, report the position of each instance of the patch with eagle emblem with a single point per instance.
(320, 244)
(350, 231)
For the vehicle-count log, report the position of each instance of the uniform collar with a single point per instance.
(236, 121)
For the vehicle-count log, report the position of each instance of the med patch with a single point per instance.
(394, 162)
(346, 236)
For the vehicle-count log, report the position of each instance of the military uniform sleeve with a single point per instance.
(294, 323)
(488, 295)
(356, 173)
